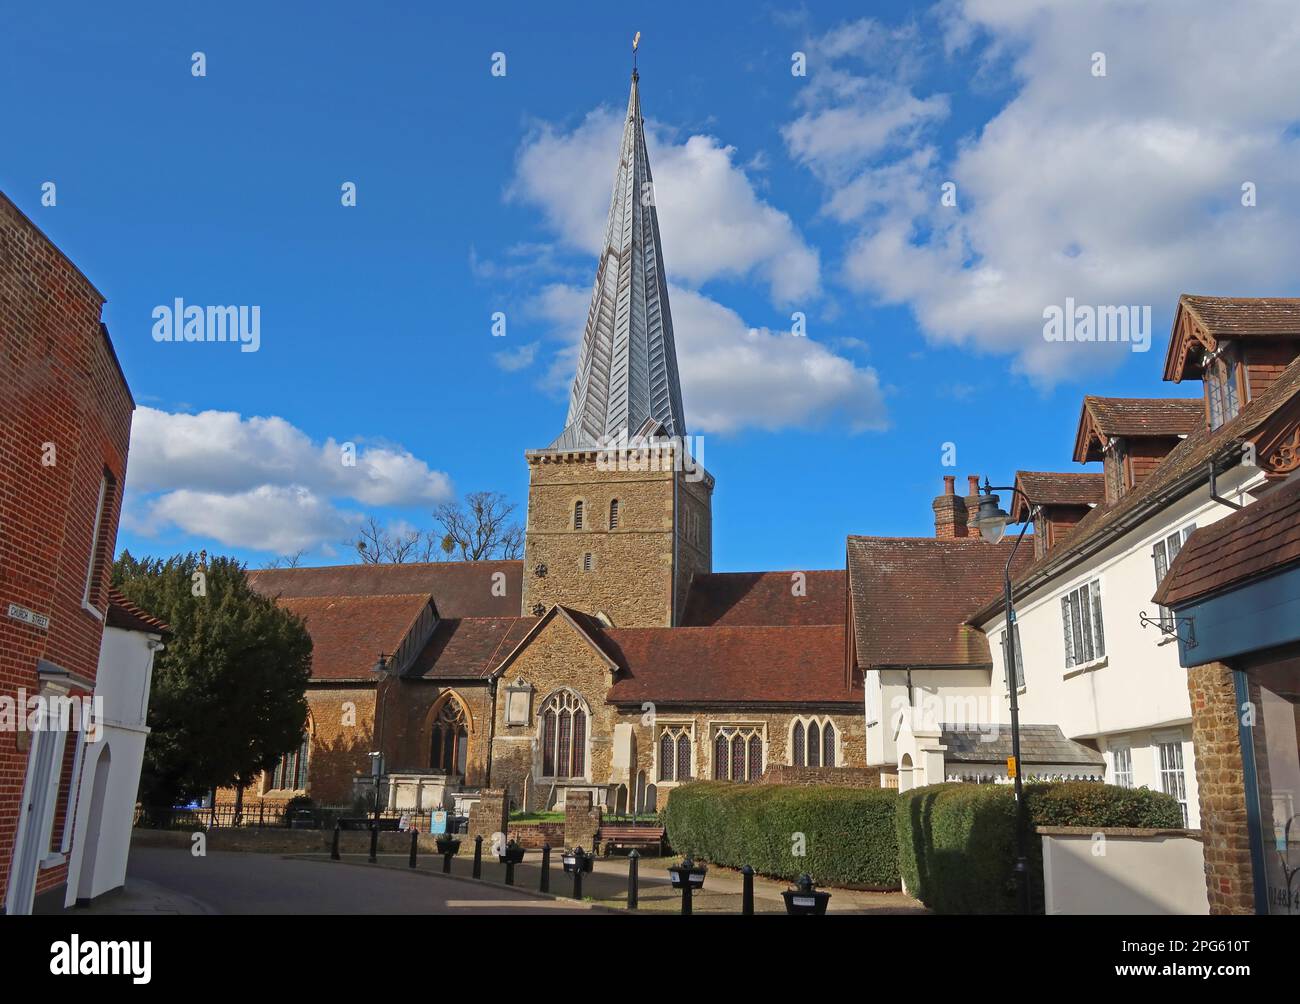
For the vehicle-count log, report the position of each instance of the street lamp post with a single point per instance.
(381, 671)
(992, 523)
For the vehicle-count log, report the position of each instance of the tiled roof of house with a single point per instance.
(730, 665)
(1039, 744)
(1260, 540)
(459, 588)
(124, 614)
(349, 632)
(911, 596)
(469, 648)
(1146, 416)
(757, 598)
(1185, 467)
(1061, 488)
(1237, 317)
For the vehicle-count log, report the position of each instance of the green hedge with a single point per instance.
(848, 832)
(956, 842)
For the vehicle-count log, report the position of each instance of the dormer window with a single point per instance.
(1221, 390)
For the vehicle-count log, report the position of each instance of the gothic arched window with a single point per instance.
(665, 757)
(796, 745)
(738, 753)
(814, 745)
(449, 738)
(683, 757)
(828, 745)
(564, 736)
(291, 770)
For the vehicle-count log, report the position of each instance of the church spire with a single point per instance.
(627, 368)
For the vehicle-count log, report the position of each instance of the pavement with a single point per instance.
(607, 884)
(166, 881)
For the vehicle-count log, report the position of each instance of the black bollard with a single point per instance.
(415, 836)
(579, 864)
(478, 856)
(545, 885)
(510, 871)
(374, 843)
(633, 865)
(747, 897)
(446, 864)
(334, 847)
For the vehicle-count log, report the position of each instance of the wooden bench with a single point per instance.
(643, 838)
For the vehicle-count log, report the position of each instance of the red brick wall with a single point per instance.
(61, 384)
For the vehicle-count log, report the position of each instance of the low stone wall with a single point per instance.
(277, 840)
(533, 835)
(1110, 870)
(841, 777)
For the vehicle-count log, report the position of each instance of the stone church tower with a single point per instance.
(612, 530)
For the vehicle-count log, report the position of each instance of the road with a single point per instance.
(233, 883)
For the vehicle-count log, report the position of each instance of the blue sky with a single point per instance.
(818, 194)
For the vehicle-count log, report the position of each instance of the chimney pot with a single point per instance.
(950, 484)
(973, 480)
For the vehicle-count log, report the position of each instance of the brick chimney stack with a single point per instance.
(972, 501)
(949, 512)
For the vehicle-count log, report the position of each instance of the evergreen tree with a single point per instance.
(228, 697)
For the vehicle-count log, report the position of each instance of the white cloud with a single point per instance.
(712, 221)
(1123, 189)
(260, 482)
(735, 376)
(282, 520)
(512, 360)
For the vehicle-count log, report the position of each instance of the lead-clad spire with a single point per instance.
(627, 369)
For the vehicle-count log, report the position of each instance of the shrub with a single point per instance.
(957, 841)
(848, 832)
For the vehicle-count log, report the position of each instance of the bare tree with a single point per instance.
(286, 560)
(478, 529)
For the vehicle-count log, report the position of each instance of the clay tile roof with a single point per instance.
(469, 648)
(757, 598)
(1237, 317)
(1260, 540)
(731, 665)
(1185, 466)
(1062, 488)
(124, 614)
(349, 632)
(911, 595)
(1146, 416)
(459, 588)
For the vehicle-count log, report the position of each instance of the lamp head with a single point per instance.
(991, 519)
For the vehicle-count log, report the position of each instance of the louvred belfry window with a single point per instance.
(577, 515)
(564, 736)
(613, 514)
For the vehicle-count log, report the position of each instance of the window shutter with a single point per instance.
(1069, 639)
(1095, 588)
